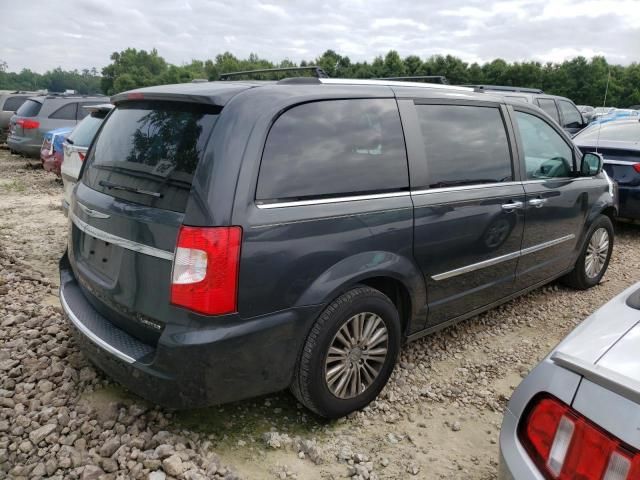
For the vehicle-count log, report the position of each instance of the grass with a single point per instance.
(250, 418)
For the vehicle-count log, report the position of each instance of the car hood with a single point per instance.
(605, 346)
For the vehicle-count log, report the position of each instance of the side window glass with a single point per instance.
(67, 112)
(13, 103)
(336, 147)
(546, 154)
(570, 115)
(464, 145)
(549, 106)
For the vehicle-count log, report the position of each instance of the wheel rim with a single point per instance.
(356, 355)
(597, 252)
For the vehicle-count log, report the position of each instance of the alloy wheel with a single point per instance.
(597, 252)
(356, 355)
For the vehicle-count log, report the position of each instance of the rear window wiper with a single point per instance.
(114, 186)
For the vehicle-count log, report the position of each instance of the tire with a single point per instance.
(582, 277)
(359, 306)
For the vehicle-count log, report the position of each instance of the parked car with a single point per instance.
(600, 111)
(9, 103)
(587, 112)
(619, 144)
(616, 114)
(302, 230)
(576, 414)
(76, 146)
(561, 109)
(51, 152)
(40, 114)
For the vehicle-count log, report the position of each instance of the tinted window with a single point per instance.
(465, 145)
(334, 147)
(13, 103)
(67, 112)
(549, 106)
(546, 154)
(612, 131)
(570, 115)
(84, 132)
(153, 147)
(30, 108)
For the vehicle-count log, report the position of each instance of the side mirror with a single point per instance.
(591, 164)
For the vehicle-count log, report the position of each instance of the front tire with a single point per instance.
(349, 353)
(594, 259)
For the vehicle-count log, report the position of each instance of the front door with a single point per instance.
(468, 211)
(556, 201)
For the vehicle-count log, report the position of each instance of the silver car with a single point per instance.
(577, 414)
(43, 113)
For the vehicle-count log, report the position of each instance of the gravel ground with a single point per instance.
(439, 416)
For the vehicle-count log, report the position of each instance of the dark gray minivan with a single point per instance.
(231, 239)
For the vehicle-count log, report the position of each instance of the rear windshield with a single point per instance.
(13, 103)
(30, 108)
(613, 132)
(147, 152)
(86, 130)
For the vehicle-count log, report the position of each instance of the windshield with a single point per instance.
(612, 132)
(84, 132)
(147, 152)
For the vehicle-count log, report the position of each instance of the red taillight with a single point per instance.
(565, 445)
(81, 156)
(205, 269)
(135, 96)
(27, 124)
(636, 167)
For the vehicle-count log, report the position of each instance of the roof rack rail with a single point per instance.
(390, 83)
(318, 72)
(504, 88)
(441, 79)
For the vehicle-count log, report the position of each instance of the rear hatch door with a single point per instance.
(128, 208)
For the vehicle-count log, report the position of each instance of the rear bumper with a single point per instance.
(25, 145)
(51, 162)
(190, 366)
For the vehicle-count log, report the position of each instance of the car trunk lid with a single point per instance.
(129, 207)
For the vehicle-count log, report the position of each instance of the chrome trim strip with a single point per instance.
(121, 242)
(619, 162)
(463, 187)
(90, 335)
(503, 258)
(542, 246)
(324, 201)
(475, 266)
(392, 83)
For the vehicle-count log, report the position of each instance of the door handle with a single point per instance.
(537, 202)
(510, 207)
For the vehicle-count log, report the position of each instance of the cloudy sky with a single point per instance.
(40, 34)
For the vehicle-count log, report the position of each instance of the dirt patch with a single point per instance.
(439, 416)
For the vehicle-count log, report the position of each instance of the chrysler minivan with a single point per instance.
(235, 238)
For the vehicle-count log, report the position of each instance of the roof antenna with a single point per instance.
(604, 104)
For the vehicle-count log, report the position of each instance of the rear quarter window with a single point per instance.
(66, 112)
(84, 132)
(334, 147)
(30, 108)
(13, 103)
(151, 147)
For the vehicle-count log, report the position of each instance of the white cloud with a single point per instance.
(474, 30)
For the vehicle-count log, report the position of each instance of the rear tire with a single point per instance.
(349, 354)
(593, 261)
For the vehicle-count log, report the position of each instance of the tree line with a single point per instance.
(581, 79)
